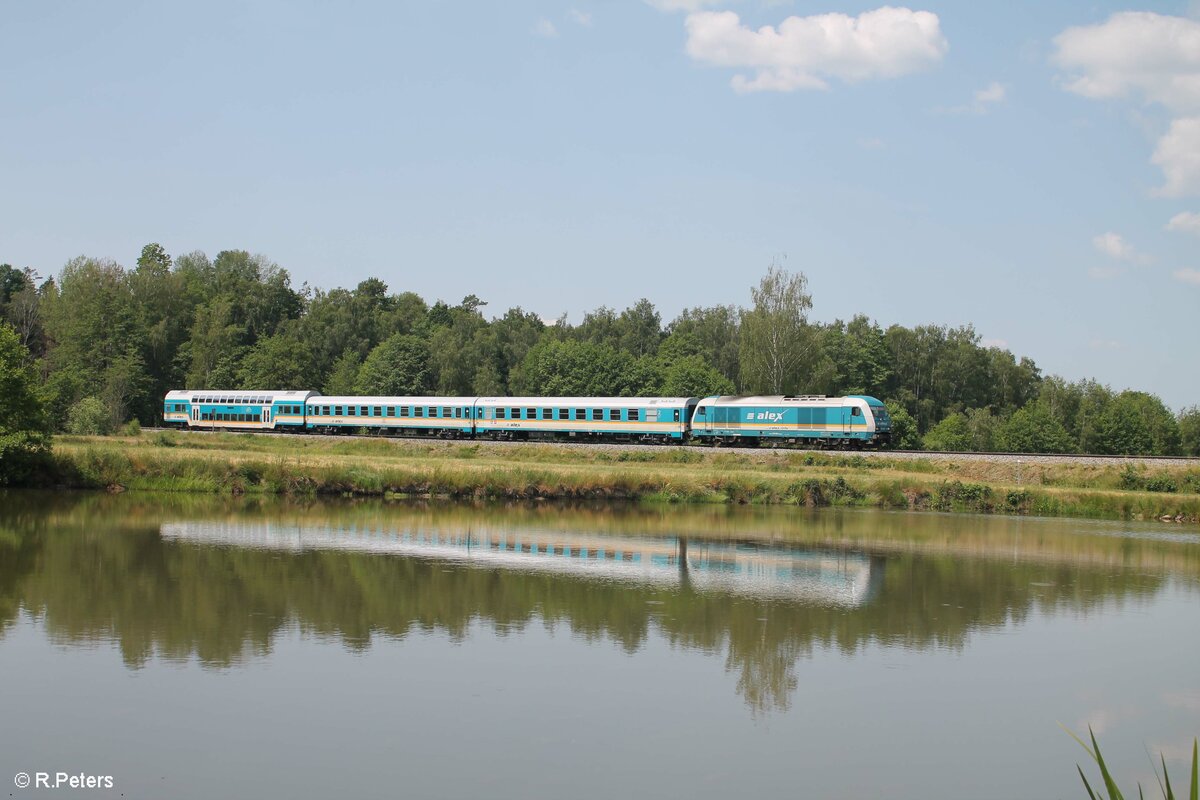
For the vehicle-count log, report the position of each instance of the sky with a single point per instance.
(1029, 168)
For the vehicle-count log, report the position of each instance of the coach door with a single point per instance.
(266, 416)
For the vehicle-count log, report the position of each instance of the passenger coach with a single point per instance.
(627, 418)
(431, 416)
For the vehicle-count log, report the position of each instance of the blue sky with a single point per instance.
(1013, 165)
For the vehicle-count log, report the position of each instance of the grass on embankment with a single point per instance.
(244, 463)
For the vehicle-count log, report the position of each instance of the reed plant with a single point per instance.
(1109, 784)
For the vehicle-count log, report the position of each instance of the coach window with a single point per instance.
(581, 413)
(499, 413)
(615, 415)
(514, 413)
(547, 413)
(418, 411)
(337, 411)
(598, 413)
(634, 414)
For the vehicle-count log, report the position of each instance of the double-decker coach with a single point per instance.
(250, 410)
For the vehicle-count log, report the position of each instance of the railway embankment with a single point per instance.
(299, 466)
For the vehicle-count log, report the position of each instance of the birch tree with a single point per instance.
(775, 335)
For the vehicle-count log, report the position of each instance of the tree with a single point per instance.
(1136, 423)
(904, 428)
(97, 334)
(692, 376)
(573, 368)
(640, 327)
(398, 366)
(283, 361)
(1032, 430)
(1189, 431)
(776, 339)
(717, 334)
(24, 428)
(344, 375)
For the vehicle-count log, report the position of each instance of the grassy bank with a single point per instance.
(241, 463)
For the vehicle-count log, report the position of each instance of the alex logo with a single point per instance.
(764, 416)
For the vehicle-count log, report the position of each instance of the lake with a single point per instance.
(200, 647)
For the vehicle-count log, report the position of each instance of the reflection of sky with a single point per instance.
(824, 577)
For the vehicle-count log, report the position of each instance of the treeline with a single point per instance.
(108, 342)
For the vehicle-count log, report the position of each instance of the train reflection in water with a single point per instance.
(825, 577)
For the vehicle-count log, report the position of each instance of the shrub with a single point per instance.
(88, 417)
(1162, 483)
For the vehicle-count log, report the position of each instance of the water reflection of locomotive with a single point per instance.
(853, 421)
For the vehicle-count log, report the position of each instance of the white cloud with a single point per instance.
(682, 5)
(581, 17)
(1002, 344)
(1191, 276)
(1134, 52)
(1104, 344)
(545, 28)
(804, 51)
(871, 143)
(1178, 155)
(1185, 222)
(1114, 245)
(982, 103)
(1152, 57)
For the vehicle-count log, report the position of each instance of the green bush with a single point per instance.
(1162, 483)
(89, 417)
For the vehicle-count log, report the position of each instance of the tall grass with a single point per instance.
(1109, 784)
(286, 465)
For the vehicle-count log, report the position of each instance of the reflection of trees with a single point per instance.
(93, 574)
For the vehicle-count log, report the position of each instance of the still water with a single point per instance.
(202, 648)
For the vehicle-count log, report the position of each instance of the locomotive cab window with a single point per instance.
(856, 412)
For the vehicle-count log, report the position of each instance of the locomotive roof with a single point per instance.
(778, 400)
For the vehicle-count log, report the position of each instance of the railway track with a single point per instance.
(1025, 458)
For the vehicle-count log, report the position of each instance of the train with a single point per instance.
(855, 421)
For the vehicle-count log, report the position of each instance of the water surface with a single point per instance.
(198, 647)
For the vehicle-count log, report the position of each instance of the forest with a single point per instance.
(98, 345)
